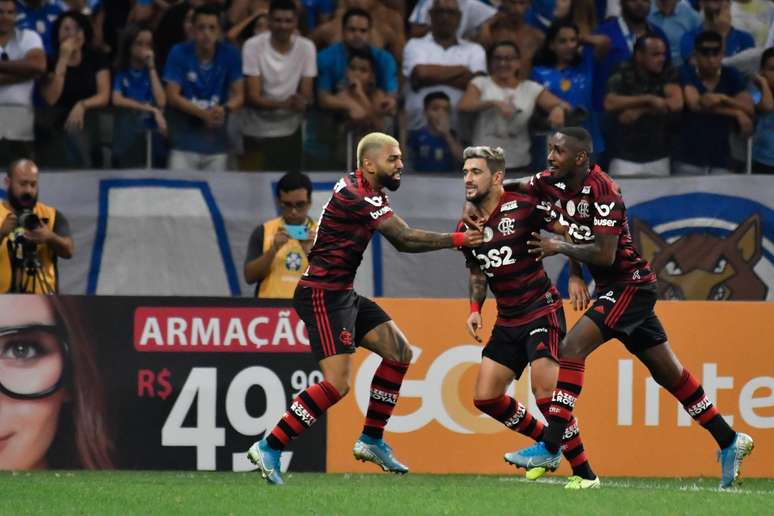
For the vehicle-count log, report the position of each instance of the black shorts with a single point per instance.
(336, 320)
(625, 312)
(516, 346)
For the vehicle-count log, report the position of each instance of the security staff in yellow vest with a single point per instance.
(275, 259)
(32, 235)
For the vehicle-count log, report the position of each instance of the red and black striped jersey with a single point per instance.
(346, 224)
(596, 208)
(519, 283)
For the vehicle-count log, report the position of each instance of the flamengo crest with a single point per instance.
(506, 225)
(583, 209)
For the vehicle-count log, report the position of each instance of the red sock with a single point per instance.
(385, 388)
(568, 388)
(305, 410)
(512, 414)
(572, 445)
(690, 393)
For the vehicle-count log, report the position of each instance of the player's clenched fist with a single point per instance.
(472, 216)
(473, 238)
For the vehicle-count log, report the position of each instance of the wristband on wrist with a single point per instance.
(475, 307)
(458, 239)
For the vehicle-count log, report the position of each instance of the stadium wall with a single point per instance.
(629, 425)
(162, 232)
(191, 382)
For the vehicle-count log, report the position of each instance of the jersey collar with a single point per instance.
(593, 170)
(363, 186)
(496, 208)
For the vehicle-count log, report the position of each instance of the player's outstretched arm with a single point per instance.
(520, 185)
(409, 240)
(601, 252)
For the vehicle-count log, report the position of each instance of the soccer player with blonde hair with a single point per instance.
(339, 320)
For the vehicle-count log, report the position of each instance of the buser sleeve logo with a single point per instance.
(375, 200)
(604, 209)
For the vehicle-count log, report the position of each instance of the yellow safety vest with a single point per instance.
(46, 255)
(288, 265)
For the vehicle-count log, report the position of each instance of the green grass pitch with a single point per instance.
(167, 493)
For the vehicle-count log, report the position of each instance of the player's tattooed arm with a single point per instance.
(601, 252)
(477, 286)
(409, 240)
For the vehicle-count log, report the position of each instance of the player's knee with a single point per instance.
(569, 348)
(486, 391)
(399, 352)
(543, 386)
(344, 390)
(340, 382)
(543, 374)
(405, 354)
(665, 377)
(341, 385)
(564, 347)
(542, 391)
(663, 366)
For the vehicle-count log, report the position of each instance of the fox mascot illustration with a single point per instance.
(703, 266)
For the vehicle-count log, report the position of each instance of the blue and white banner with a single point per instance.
(175, 233)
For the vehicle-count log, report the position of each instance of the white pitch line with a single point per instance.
(629, 485)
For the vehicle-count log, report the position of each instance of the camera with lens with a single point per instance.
(28, 220)
(27, 275)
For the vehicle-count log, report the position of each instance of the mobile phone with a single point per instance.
(297, 231)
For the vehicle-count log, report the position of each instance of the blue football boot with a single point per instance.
(379, 452)
(731, 458)
(536, 456)
(268, 461)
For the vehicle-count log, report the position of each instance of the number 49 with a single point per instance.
(206, 436)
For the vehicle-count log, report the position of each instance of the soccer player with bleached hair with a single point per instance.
(589, 205)
(530, 317)
(339, 320)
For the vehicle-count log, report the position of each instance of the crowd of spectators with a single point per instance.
(666, 87)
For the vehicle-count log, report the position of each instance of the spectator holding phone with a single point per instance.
(277, 250)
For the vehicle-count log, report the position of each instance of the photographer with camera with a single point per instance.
(277, 250)
(32, 235)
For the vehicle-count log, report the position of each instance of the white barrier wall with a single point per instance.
(173, 233)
